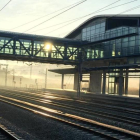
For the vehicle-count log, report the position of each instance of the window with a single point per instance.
(97, 26)
(84, 34)
(125, 44)
(131, 50)
(84, 30)
(102, 29)
(132, 43)
(97, 31)
(103, 24)
(88, 29)
(90, 33)
(93, 27)
(93, 32)
(125, 39)
(118, 40)
(138, 60)
(137, 42)
(131, 60)
(131, 38)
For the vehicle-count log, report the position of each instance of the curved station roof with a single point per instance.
(108, 16)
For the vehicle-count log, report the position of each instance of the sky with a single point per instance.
(19, 12)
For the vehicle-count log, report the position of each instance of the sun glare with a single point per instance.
(47, 46)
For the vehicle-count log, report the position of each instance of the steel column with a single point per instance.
(104, 82)
(121, 82)
(62, 83)
(126, 82)
(46, 78)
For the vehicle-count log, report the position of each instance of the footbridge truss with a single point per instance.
(37, 48)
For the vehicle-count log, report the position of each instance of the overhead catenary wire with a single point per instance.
(79, 17)
(90, 14)
(44, 16)
(110, 16)
(5, 5)
(56, 15)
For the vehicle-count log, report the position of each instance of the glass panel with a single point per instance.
(93, 32)
(102, 29)
(97, 31)
(102, 24)
(97, 26)
(125, 39)
(137, 42)
(131, 38)
(84, 30)
(88, 29)
(132, 43)
(88, 33)
(125, 44)
(84, 34)
(131, 50)
(93, 27)
(138, 60)
(131, 60)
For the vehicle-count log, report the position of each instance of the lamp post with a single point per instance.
(45, 86)
(30, 69)
(6, 71)
(13, 78)
(139, 87)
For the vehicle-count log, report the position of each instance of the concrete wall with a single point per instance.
(95, 81)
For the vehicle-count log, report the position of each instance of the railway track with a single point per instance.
(7, 135)
(101, 99)
(126, 120)
(100, 130)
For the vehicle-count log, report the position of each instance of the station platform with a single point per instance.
(74, 93)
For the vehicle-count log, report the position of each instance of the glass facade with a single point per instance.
(123, 46)
(114, 48)
(102, 35)
(91, 32)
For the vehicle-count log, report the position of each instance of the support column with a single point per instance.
(62, 83)
(95, 81)
(126, 82)
(121, 82)
(104, 82)
(139, 87)
(46, 78)
(75, 81)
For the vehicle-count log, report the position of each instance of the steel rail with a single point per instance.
(100, 129)
(7, 135)
(89, 101)
(124, 119)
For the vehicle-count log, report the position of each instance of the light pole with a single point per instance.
(45, 78)
(30, 64)
(31, 71)
(20, 81)
(6, 71)
(13, 78)
(139, 87)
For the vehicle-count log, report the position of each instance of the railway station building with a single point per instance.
(111, 50)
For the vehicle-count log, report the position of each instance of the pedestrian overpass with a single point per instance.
(37, 48)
